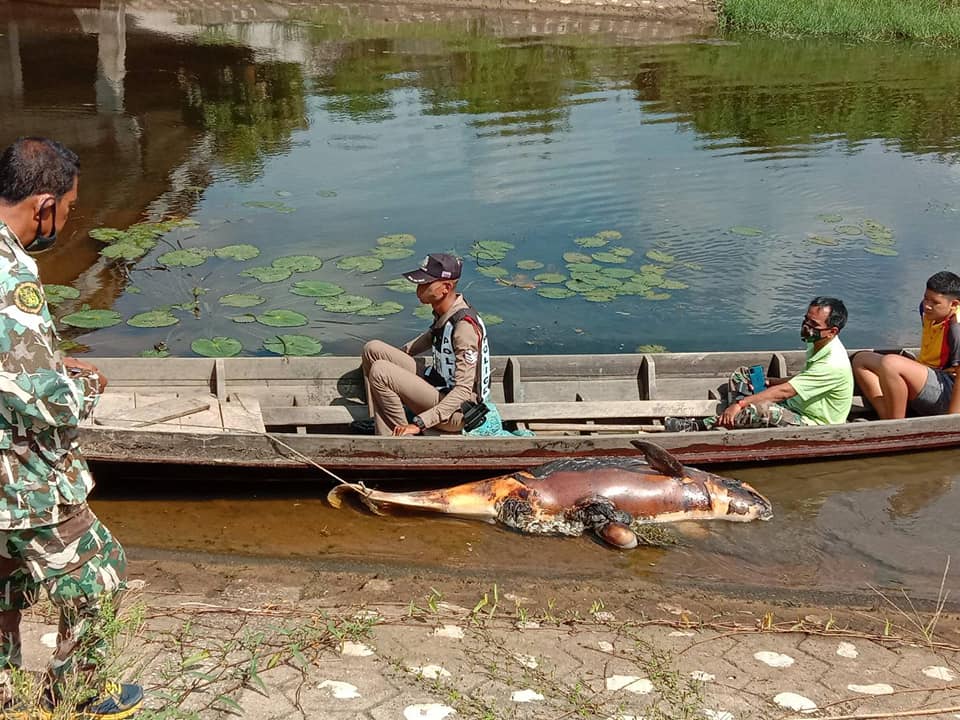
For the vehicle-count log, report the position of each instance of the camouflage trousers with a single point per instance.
(79, 564)
(754, 414)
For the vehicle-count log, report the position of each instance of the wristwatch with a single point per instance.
(419, 423)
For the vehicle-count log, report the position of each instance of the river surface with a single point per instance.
(715, 184)
(856, 527)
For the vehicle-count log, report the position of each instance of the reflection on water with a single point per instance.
(316, 130)
(843, 527)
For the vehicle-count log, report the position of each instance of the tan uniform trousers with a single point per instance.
(392, 383)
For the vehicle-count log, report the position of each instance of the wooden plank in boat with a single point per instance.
(204, 421)
(158, 412)
(314, 414)
(241, 413)
(600, 410)
(110, 404)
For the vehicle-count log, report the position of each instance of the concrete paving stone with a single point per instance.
(739, 704)
(872, 658)
(393, 709)
(272, 707)
(804, 666)
(911, 664)
(372, 689)
(724, 673)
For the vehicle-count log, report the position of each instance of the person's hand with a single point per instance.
(728, 416)
(410, 429)
(76, 366)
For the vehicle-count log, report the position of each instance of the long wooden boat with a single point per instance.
(295, 412)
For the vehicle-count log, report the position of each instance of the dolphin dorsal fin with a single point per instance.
(659, 459)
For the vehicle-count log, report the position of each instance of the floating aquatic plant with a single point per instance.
(660, 257)
(237, 252)
(424, 312)
(600, 295)
(379, 309)
(591, 242)
(56, 294)
(245, 318)
(282, 318)
(529, 265)
(345, 303)
(610, 234)
(583, 267)
(399, 240)
(831, 218)
(183, 258)
(316, 289)
(401, 285)
(823, 240)
(852, 230)
(294, 345)
(92, 318)
(241, 300)
(622, 251)
(550, 278)
(609, 257)
(275, 205)
(881, 250)
(298, 263)
(387, 252)
(555, 293)
(493, 271)
(268, 273)
(490, 250)
(577, 257)
(490, 319)
(746, 231)
(155, 353)
(215, 347)
(162, 317)
(618, 272)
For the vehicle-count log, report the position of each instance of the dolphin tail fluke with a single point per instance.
(335, 496)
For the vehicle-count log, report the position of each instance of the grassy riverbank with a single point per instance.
(933, 21)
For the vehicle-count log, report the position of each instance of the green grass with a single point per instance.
(931, 21)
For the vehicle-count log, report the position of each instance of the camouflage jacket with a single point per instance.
(43, 476)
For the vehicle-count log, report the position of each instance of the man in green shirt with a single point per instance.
(820, 394)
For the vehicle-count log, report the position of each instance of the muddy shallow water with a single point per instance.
(839, 527)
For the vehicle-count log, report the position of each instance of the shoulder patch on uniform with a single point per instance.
(470, 356)
(28, 297)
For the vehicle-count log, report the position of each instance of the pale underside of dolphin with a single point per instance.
(606, 495)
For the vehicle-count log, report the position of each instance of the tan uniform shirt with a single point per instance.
(466, 348)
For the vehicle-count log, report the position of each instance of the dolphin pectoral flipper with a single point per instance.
(659, 459)
(618, 535)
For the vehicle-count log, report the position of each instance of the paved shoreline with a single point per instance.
(273, 641)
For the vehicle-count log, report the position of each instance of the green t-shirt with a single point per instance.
(824, 387)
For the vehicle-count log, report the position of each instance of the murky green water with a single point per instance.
(724, 167)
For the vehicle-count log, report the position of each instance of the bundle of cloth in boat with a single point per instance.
(492, 425)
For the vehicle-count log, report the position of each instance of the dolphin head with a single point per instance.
(743, 502)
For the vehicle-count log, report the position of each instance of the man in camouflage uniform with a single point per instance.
(49, 537)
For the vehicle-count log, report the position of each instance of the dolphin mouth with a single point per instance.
(766, 514)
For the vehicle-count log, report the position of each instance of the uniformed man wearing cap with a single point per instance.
(461, 359)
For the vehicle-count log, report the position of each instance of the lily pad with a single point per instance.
(494, 245)
(652, 269)
(852, 230)
(282, 318)
(125, 251)
(622, 251)
(398, 240)
(579, 286)
(386, 252)
(672, 285)
(591, 242)
(182, 258)
(241, 300)
(529, 265)
(881, 250)
(294, 345)
(493, 271)
(245, 318)
(316, 289)
(345, 303)
(746, 231)
(107, 235)
(270, 205)
(378, 309)
(831, 218)
(72, 346)
(155, 353)
(283, 193)
(609, 257)
(583, 267)
(215, 347)
(327, 193)
(360, 263)
(577, 257)
(401, 285)
(424, 311)
(634, 287)
(823, 240)
(267, 274)
(657, 296)
(237, 252)
(550, 278)
(56, 294)
(298, 263)
(153, 319)
(490, 319)
(91, 319)
(610, 234)
(880, 237)
(600, 295)
(598, 280)
(618, 272)
(660, 257)
(555, 293)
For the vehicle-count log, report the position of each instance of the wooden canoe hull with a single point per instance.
(596, 390)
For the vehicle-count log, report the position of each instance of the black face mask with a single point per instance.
(44, 242)
(809, 335)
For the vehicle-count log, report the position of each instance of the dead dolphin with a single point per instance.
(603, 494)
